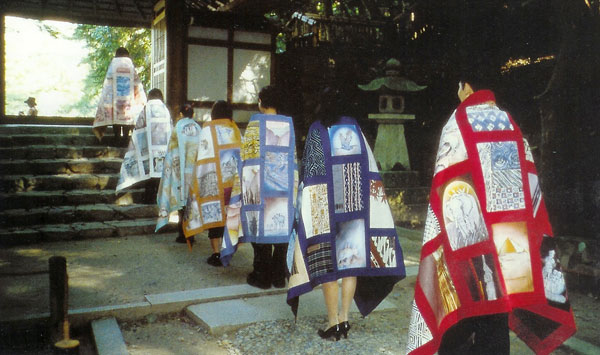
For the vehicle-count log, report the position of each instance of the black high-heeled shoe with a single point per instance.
(334, 331)
(344, 328)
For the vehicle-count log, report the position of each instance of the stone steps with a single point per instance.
(79, 230)
(81, 213)
(33, 199)
(60, 166)
(61, 151)
(58, 183)
(24, 183)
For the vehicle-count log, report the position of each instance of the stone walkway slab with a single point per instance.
(226, 316)
(108, 337)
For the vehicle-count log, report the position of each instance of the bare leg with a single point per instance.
(348, 288)
(330, 292)
(215, 243)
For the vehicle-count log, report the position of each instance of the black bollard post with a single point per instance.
(59, 304)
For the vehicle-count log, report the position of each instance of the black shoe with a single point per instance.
(214, 260)
(254, 279)
(279, 283)
(344, 328)
(331, 332)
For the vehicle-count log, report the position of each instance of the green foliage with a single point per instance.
(102, 42)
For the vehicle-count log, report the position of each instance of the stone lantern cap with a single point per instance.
(392, 80)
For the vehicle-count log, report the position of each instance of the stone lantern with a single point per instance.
(390, 144)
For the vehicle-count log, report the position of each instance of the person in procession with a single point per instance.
(217, 165)
(121, 100)
(345, 226)
(487, 244)
(144, 159)
(179, 164)
(261, 208)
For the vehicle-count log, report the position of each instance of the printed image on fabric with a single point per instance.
(502, 176)
(278, 133)
(379, 212)
(251, 184)
(462, 215)
(383, 251)
(142, 141)
(159, 133)
(344, 140)
(315, 213)
(141, 121)
(123, 85)
(298, 274)
(276, 219)
(488, 118)
(229, 163)
(319, 259)
(225, 135)
(437, 284)
(192, 212)
(555, 288)
(432, 226)
(232, 223)
(536, 192)
(313, 159)
(276, 172)
(158, 160)
(452, 147)
(131, 167)
(190, 130)
(205, 146)
(146, 166)
(528, 155)
(157, 110)
(211, 212)
(512, 245)
(481, 277)
(350, 244)
(191, 151)
(251, 142)
(207, 180)
(253, 218)
(347, 186)
(418, 331)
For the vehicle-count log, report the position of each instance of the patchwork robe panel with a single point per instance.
(148, 145)
(261, 208)
(345, 224)
(179, 165)
(487, 245)
(217, 167)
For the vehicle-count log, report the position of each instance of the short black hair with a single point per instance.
(332, 104)
(221, 109)
(122, 52)
(155, 94)
(269, 97)
(478, 73)
(187, 111)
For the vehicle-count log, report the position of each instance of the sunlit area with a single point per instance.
(44, 62)
(57, 68)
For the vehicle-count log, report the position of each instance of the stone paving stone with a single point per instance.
(225, 316)
(108, 337)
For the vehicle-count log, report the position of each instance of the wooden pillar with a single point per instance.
(2, 67)
(177, 25)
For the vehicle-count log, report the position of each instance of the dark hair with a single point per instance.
(155, 94)
(269, 97)
(187, 111)
(477, 72)
(122, 52)
(221, 109)
(331, 105)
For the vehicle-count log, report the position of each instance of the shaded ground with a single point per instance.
(117, 271)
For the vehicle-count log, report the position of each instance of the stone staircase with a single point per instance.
(58, 183)
(407, 197)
